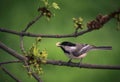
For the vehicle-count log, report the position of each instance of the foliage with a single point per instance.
(78, 22)
(46, 10)
(36, 58)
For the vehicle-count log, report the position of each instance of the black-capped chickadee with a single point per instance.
(78, 51)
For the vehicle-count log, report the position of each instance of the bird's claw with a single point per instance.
(79, 64)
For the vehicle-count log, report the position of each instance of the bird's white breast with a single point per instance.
(74, 57)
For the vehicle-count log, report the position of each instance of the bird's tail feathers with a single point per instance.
(103, 48)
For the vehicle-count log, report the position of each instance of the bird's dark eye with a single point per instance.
(68, 44)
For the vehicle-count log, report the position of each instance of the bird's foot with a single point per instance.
(69, 61)
(79, 64)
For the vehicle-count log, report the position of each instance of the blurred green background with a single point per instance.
(15, 15)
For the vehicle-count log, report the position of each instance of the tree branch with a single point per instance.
(18, 56)
(10, 74)
(36, 76)
(60, 63)
(22, 45)
(92, 25)
(8, 62)
(90, 66)
(32, 22)
(12, 52)
(43, 35)
(26, 28)
(71, 64)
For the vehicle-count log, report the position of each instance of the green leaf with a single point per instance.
(55, 5)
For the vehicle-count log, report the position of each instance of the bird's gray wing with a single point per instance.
(81, 49)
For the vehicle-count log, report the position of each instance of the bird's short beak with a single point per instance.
(58, 44)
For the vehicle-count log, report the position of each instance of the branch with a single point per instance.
(22, 45)
(92, 25)
(71, 64)
(32, 22)
(12, 52)
(90, 66)
(43, 35)
(36, 76)
(18, 56)
(26, 28)
(10, 74)
(60, 63)
(8, 62)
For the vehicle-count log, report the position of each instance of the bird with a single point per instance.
(78, 50)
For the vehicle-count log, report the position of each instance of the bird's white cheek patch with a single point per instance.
(72, 48)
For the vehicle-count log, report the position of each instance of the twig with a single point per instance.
(8, 62)
(90, 66)
(22, 45)
(26, 28)
(32, 22)
(10, 74)
(37, 77)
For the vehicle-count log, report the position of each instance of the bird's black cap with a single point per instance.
(65, 43)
